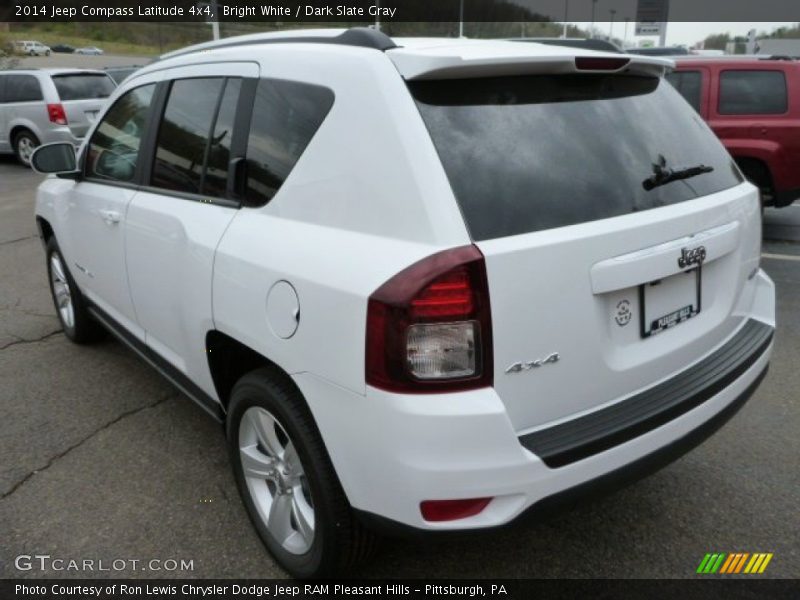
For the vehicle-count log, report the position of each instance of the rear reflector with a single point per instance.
(452, 510)
(57, 114)
(592, 63)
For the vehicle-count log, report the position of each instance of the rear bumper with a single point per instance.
(601, 485)
(393, 451)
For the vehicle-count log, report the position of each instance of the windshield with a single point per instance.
(528, 153)
(84, 86)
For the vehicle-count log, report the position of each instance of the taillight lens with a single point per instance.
(429, 328)
(57, 114)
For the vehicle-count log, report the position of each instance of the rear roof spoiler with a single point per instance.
(468, 61)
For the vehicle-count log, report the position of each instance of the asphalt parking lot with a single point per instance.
(102, 459)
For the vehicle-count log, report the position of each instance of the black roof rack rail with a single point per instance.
(780, 57)
(362, 37)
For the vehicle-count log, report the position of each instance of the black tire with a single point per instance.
(84, 329)
(340, 541)
(20, 139)
(47, 53)
(759, 175)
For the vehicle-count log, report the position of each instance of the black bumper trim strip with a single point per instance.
(590, 434)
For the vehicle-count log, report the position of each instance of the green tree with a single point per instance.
(717, 41)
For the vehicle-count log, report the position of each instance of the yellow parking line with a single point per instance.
(780, 256)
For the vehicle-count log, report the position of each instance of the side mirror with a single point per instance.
(58, 158)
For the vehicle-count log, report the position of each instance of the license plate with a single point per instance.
(670, 301)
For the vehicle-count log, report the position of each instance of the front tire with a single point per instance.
(287, 481)
(77, 323)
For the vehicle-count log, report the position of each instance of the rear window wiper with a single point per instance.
(663, 175)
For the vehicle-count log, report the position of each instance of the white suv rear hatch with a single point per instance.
(617, 231)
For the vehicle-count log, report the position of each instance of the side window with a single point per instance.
(690, 86)
(2, 89)
(23, 88)
(184, 133)
(286, 115)
(752, 93)
(114, 147)
(219, 152)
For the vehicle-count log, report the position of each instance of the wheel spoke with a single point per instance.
(279, 521)
(256, 464)
(58, 270)
(292, 460)
(304, 517)
(265, 427)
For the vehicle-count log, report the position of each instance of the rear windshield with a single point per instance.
(83, 87)
(529, 153)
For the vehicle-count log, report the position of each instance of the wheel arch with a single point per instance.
(45, 229)
(229, 360)
(18, 128)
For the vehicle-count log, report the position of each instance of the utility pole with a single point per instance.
(378, 15)
(461, 19)
(566, 16)
(625, 38)
(611, 25)
(591, 29)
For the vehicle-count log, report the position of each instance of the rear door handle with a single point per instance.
(111, 217)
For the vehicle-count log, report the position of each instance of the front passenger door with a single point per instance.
(97, 207)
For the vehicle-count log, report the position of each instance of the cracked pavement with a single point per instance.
(102, 459)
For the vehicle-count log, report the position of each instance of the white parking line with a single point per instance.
(780, 256)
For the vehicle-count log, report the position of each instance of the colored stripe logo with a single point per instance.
(734, 563)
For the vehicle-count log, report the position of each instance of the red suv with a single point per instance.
(753, 105)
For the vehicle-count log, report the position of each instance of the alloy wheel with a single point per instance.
(276, 480)
(25, 148)
(61, 291)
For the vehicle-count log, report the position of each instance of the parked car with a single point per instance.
(91, 50)
(40, 106)
(753, 105)
(120, 74)
(63, 48)
(31, 48)
(426, 286)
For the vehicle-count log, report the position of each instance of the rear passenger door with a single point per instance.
(178, 217)
(24, 103)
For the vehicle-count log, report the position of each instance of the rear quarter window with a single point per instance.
(529, 153)
(83, 86)
(286, 115)
(752, 93)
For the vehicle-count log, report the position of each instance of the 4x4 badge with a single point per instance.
(518, 367)
(695, 256)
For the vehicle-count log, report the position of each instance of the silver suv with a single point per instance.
(40, 106)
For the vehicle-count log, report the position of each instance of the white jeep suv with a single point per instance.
(427, 284)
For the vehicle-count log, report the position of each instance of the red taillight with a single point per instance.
(57, 114)
(429, 327)
(452, 510)
(596, 63)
